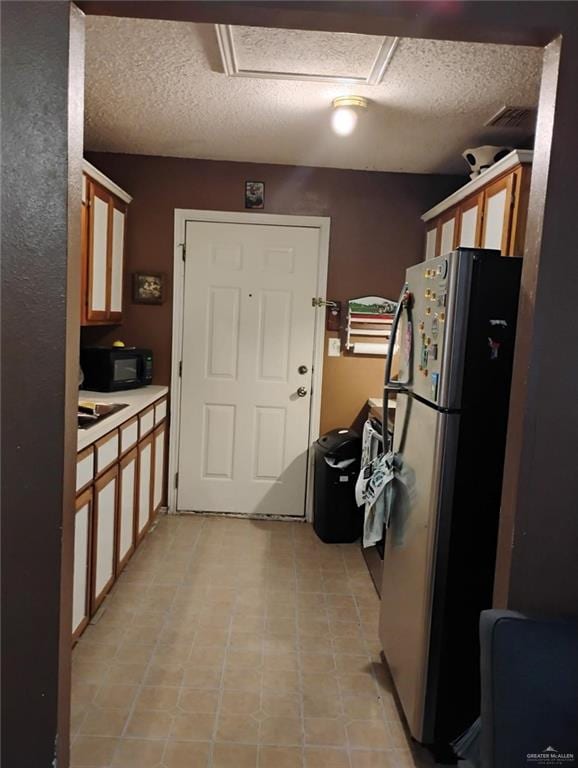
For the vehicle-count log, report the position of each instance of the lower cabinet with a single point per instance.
(159, 473)
(114, 509)
(127, 484)
(104, 535)
(145, 485)
(81, 567)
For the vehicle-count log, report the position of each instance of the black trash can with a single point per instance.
(336, 517)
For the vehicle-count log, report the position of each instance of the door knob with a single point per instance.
(302, 392)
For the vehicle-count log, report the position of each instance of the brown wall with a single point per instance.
(375, 234)
(42, 115)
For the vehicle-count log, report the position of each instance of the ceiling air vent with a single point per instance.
(513, 117)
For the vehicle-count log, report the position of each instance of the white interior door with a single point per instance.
(248, 327)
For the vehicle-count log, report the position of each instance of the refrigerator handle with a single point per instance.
(389, 385)
(403, 303)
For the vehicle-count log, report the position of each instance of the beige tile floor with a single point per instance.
(233, 643)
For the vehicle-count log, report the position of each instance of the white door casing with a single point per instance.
(242, 434)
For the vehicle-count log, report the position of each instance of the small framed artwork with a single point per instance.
(148, 287)
(254, 194)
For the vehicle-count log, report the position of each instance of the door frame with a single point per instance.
(182, 216)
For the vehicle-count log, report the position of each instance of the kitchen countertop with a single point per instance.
(376, 405)
(136, 399)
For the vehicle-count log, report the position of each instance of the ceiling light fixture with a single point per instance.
(344, 118)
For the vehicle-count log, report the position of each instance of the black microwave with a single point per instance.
(109, 369)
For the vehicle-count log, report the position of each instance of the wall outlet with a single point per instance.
(333, 347)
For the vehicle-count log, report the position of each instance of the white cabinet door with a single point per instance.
(159, 474)
(145, 483)
(105, 509)
(497, 214)
(447, 235)
(117, 257)
(98, 255)
(430, 243)
(81, 569)
(126, 507)
(469, 225)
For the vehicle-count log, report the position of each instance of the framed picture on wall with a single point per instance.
(148, 287)
(254, 194)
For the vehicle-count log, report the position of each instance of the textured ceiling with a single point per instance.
(158, 88)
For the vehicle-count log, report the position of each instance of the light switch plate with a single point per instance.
(333, 347)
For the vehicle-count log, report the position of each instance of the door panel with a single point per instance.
(274, 335)
(409, 559)
(248, 315)
(223, 333)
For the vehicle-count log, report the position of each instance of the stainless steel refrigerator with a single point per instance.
(454, 336)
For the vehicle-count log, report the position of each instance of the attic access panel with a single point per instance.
(293, 54)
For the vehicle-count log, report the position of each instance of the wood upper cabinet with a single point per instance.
(104, 211)
(488, 212)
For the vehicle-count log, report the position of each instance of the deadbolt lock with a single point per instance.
(302, 369)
